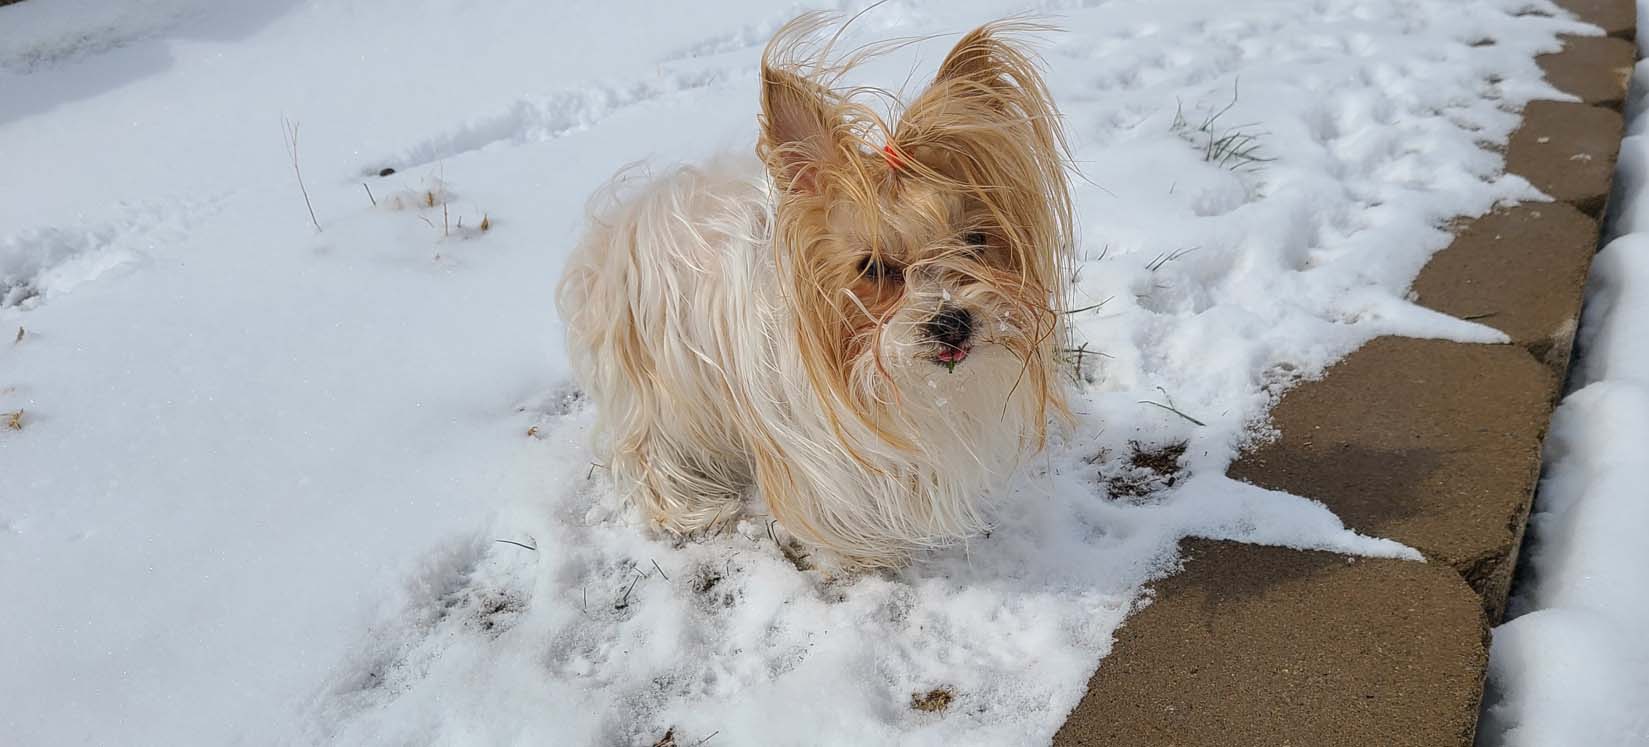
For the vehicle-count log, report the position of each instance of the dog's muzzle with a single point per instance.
(952, 330)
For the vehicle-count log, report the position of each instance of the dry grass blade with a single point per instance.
(1091, 307)
(1163, 259)
(1236, 149)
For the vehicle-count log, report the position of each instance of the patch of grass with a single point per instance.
(1149, 470)
(1236, 147)
(435, 193)
(932, 701)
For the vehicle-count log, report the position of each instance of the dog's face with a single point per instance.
(942, 249)
(926, 275)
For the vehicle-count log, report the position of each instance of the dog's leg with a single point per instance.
(682, 491)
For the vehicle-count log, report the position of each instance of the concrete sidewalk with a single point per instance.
(1433, 444)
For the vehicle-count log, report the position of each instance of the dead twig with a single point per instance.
(624, 601)
(1080, 352)
(290, 132)
(369, 194)
(517, 544)
(1171, 408)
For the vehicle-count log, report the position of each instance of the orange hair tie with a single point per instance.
(892, 157)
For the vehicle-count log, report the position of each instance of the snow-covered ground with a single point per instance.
(260, 474)
(1571, 664)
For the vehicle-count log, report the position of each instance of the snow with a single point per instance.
(1571, 664)
(274, 485)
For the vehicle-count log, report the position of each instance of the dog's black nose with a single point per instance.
(951, 327)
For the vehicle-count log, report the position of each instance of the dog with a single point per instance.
(861, 320)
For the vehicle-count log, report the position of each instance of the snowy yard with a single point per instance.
(263, 483)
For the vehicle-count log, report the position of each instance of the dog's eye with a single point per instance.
(875, 269)
(975, 240)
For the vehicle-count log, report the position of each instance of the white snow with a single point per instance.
(1571, 664)
(263, 472)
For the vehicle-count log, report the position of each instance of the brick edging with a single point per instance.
(1430, 443)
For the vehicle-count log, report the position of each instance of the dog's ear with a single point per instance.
(801, 129)
(976, 68)
(986, 83)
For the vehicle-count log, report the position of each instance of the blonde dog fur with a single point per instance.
(861, 320)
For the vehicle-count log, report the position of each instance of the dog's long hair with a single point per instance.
(791, 326)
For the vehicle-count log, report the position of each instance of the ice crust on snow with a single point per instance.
(262, 488)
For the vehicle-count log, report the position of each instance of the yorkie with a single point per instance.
(861, 321)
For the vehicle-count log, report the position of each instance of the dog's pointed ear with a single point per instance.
(986, 88)
(975, 64)
(800, 129)
(974, 88)
(981, 72)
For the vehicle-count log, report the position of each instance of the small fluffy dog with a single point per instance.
(861, 320)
